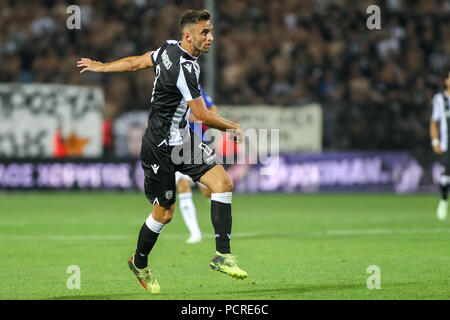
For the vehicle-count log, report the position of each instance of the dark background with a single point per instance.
(375, 86)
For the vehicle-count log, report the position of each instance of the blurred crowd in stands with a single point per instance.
(375, 85)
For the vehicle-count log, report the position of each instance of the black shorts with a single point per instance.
(160, 162)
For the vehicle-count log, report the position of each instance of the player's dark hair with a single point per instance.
(192, 16)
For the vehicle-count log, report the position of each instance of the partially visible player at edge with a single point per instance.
(439, 132)
(175, 91)
(183, 182)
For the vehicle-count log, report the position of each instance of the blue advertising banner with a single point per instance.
(345, 171)
(325, 172)
(71, 174)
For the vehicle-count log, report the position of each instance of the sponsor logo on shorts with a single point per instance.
(155, 168)
(211, 158)
(203, 146)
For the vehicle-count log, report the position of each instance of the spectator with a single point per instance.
(268, 52)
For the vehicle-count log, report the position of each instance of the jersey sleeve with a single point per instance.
(154, 55)
(436, 113)
(187, 81)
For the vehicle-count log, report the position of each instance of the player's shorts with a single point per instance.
(179, 176)
(444, 160)
(160, 170)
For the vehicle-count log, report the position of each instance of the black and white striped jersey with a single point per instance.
(176, 82)
(441, 114)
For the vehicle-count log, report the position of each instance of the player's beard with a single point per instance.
(199, 48)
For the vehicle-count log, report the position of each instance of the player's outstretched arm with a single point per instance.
(213, 119)
(126, 64)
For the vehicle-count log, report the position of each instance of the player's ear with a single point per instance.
(187, 36)
(188, 31)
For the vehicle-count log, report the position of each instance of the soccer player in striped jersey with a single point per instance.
(439, 132)
(175, 92)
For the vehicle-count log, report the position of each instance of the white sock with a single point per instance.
(154, 225)
(224, 197)
(188, 212)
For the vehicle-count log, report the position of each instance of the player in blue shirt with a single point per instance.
(184, 182)
(210, 105)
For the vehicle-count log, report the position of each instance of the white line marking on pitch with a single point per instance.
(383, 231)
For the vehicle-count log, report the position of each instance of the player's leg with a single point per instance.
(148, 236)
(204, 190)
(187, 207)
(217, 180)
(444, 182)
(159, 187)
(150, 230)
(221, 186)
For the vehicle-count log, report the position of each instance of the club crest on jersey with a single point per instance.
(188, 67)
(169, 194)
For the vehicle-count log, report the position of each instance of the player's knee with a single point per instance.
(229, 185)
(167, 219)
(167, 216)
(224, 185)
(163, 214)
(207, 193)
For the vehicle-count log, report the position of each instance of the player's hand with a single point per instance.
(90, 65)
(437, 149)
(238, 135)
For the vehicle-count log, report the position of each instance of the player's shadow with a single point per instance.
(301, 289)
(293, 290)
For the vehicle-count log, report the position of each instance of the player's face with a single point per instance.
(447, 81)
(202, 37)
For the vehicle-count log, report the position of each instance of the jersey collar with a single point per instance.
(179, 46)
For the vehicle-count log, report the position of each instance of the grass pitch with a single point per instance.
(292, 246)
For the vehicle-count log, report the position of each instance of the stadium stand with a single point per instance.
(371, 83)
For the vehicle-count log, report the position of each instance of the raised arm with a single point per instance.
(133, 63)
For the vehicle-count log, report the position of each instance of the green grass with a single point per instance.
(293, 247)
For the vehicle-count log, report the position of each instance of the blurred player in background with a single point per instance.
(184, 182)
(439, 132)
(175, 92)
